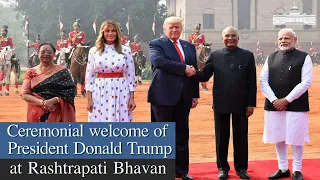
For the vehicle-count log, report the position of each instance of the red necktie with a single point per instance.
(175, 43)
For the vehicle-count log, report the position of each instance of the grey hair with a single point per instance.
(230, 27)
(288, 30)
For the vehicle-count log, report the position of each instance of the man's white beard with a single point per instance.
(285, 48)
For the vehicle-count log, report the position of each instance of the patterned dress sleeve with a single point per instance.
(130, 70)
(26, 85)
(90, 73)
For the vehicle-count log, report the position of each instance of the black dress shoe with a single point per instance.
(297, 176)
(186, 177)
(223, 175)
(279, 174)
(243, 174)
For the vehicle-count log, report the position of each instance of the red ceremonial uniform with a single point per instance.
(61, 44)
(7, 41)
(197, 39)
(124, 39)
(35, 46)
(313, 51)
(81, 38)
(135, 47)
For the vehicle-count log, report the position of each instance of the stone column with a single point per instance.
(252, 14)
(235, 12)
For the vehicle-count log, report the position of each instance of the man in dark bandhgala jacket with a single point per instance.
(234, 93)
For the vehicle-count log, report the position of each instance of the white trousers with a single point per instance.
(282, 154)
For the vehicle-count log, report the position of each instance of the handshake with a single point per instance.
(190, 70)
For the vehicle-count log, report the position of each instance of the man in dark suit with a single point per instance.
(234, 93)
(174, 90)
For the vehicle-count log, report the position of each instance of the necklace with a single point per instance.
(45, 70)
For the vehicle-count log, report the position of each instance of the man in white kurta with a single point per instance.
(285, 79)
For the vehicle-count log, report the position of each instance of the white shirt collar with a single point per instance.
(178, 41)
(107, 46)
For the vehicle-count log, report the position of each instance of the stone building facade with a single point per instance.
(253, 19)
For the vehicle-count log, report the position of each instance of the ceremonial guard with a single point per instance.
(124, 39)
(4, 42)
(34, 59)
(4, 39)
(35, 45)
(62, 42)
(76, 37)
(312, 51)
(62, 48)
(135, 47)
(198, 39)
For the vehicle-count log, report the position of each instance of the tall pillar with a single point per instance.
(235, 12)
(252, 14)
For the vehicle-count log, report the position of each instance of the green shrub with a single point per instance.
(147, 72)
(22, 73)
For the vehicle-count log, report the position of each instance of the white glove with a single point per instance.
(27, 43)
(65, 50)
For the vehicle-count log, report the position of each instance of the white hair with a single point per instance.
(229, 27)
(288, 30)
(172, 19)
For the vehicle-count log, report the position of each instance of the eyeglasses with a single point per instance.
(44, 52)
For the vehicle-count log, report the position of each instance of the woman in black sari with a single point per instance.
(49, 90)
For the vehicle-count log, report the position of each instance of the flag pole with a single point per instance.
(129, 34)
(96, 23)
(154, 21)
(28, 38)
(58, 27)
